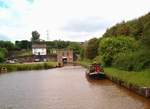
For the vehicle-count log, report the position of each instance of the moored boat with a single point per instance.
(95, 71)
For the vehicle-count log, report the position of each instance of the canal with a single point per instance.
(64, 88)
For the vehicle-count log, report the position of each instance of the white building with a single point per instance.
(39, 48)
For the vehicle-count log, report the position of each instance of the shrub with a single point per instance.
(3, 53)
(91, 50)
(1, 57)
(110, 47)
(124, 61)
(98, 59)
(133, 60)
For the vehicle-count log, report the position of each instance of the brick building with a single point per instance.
(65, 56)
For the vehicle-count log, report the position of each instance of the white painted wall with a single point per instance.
(36, 51)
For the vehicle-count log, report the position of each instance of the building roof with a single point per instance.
(39, 45)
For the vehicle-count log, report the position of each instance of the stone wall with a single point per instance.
(144, 91)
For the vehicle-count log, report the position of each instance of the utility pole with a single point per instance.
(47, 32)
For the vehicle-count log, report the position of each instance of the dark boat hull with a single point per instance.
(96, 75)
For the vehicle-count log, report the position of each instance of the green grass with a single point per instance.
(30, 66)
(141, 78)
(84, 63)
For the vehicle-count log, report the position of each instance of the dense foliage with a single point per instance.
(136, 28)
(110, 47)
(3, 53)
(146, 35)
(23, 44)
(1, 56)
(125, 45)
(91, 50)
(75, 47)
(140, 30)
(136, 61)
(57, 44)
(7, 45)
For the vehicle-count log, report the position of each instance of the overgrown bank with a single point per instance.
(84, 63)
(138, 78)
(138, 81)
(32, 66)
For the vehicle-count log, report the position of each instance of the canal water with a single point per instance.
(64, 88)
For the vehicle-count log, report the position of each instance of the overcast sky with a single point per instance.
(74, 20)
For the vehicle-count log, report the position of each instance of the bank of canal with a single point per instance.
(27, 66)
(138, 82)
(64, 88)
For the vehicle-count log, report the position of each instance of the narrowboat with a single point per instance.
(95, 71)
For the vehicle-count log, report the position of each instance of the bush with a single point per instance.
(124, 61)
(82, 54)
(85, 63)
(98, 59)
(110, 47)
(1, 57)
(3, 53)
(91, 50)
(133, 60)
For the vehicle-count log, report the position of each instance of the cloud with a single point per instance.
(30, 1)
(91, 24)
(65, 19)
(4, 37)
(82, 36)
(3, 4)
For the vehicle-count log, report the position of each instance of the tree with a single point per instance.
(75, 47)
(7, 44)
(1, 57)
(110, 47)
(146, 35)
(82, 50)
(35, 36)
(24, 44)
(57, 44)
(137, 28)
(3, 53)
(91, 50)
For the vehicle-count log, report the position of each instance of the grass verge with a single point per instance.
(141, 78)
(84, 63)
(30, 66)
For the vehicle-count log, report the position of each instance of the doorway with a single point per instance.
(64, 60)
